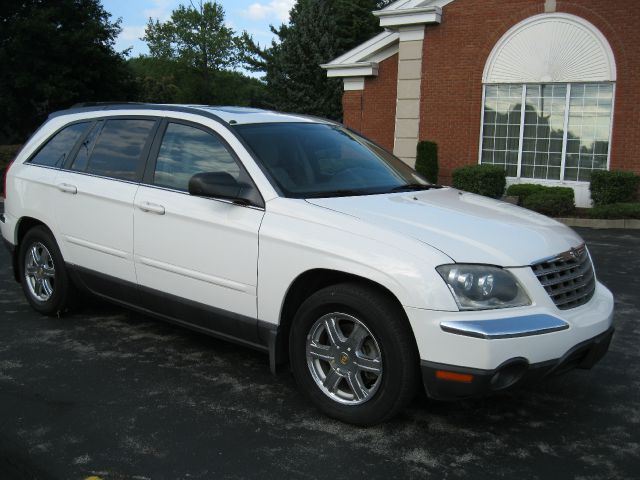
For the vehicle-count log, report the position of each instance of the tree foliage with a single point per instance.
(54, 54)
(318, 31)
(190, 60)
(169, 81)
(195, 36)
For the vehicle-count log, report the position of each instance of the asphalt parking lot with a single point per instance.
(115, 394)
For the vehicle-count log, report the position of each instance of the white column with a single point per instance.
(353, 83)
(408, 95)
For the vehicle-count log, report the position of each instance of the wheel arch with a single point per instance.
(304, 285)
(23, 225)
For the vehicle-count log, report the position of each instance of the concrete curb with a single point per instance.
(601, 223)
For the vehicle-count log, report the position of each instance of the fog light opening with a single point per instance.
(509, 374)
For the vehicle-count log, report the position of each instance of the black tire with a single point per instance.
(392, 335)
(60, 284)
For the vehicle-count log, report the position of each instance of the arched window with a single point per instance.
(549, 86)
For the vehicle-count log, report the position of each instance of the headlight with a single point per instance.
(482, 287)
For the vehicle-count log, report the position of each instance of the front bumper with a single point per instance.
(447, 382)
(478, 352)
(486, 339)
(461, 382)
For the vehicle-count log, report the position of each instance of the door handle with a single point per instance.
(151, 208)
(68, 188)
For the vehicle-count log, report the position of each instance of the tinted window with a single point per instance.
(186, 151)
(118, 149)
(55, 152)
(86, 147)
(313, 159)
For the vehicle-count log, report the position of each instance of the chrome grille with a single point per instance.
(568, 277)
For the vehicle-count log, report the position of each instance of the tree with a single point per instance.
(318, 31)
(170, 81)
(195, 38)
(54, 54)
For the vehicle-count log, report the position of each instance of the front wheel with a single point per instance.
(44, 279)
(353, 354)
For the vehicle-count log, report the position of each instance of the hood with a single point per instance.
(468, 228)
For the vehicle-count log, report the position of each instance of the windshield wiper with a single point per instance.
(409, 187)
(338, 193)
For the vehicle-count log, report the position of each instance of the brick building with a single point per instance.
(548, 89)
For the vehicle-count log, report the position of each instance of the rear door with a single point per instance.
(37, 181)
(196, 258)
(95, 201)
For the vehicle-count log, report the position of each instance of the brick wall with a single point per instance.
(352, 109)
(455, 53)
(372, 111)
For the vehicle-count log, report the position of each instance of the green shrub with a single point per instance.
(616, 210)
(487, 180)
(525, 190)
(427, 160)
(613, 187)
(553, 202)
(564, 191)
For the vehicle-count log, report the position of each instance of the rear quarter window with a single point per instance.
(56, 150)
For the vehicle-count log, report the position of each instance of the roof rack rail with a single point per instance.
(103, 104)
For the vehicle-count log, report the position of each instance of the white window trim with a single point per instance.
(523, 111)
(613, 114)
(565, 130)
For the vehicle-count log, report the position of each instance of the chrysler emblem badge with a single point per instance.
(573, 254)
(577, 252)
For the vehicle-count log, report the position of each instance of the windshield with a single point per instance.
(320, 160)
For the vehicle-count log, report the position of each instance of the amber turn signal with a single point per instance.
(453, 376)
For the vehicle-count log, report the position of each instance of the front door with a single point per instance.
(196, 258)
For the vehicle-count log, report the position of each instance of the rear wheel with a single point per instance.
(353, 354)
(44, 279)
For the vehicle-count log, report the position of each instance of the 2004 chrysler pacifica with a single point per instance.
(298, 237)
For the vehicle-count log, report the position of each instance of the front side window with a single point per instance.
(117, 152)
(316, 160)
(555, 131)
(186, 151)
(55, 152)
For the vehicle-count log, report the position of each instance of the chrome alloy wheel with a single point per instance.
(39, 272)
(344, 358)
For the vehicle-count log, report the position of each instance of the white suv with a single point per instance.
(298, 237)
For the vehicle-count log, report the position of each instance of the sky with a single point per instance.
(254, 16)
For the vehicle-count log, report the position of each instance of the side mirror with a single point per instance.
(220, 185)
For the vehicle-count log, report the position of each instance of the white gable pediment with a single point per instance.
(363, 60)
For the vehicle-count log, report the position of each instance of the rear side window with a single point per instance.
(56, 150)
(117, 152)
(81, 161)
(186, 151)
